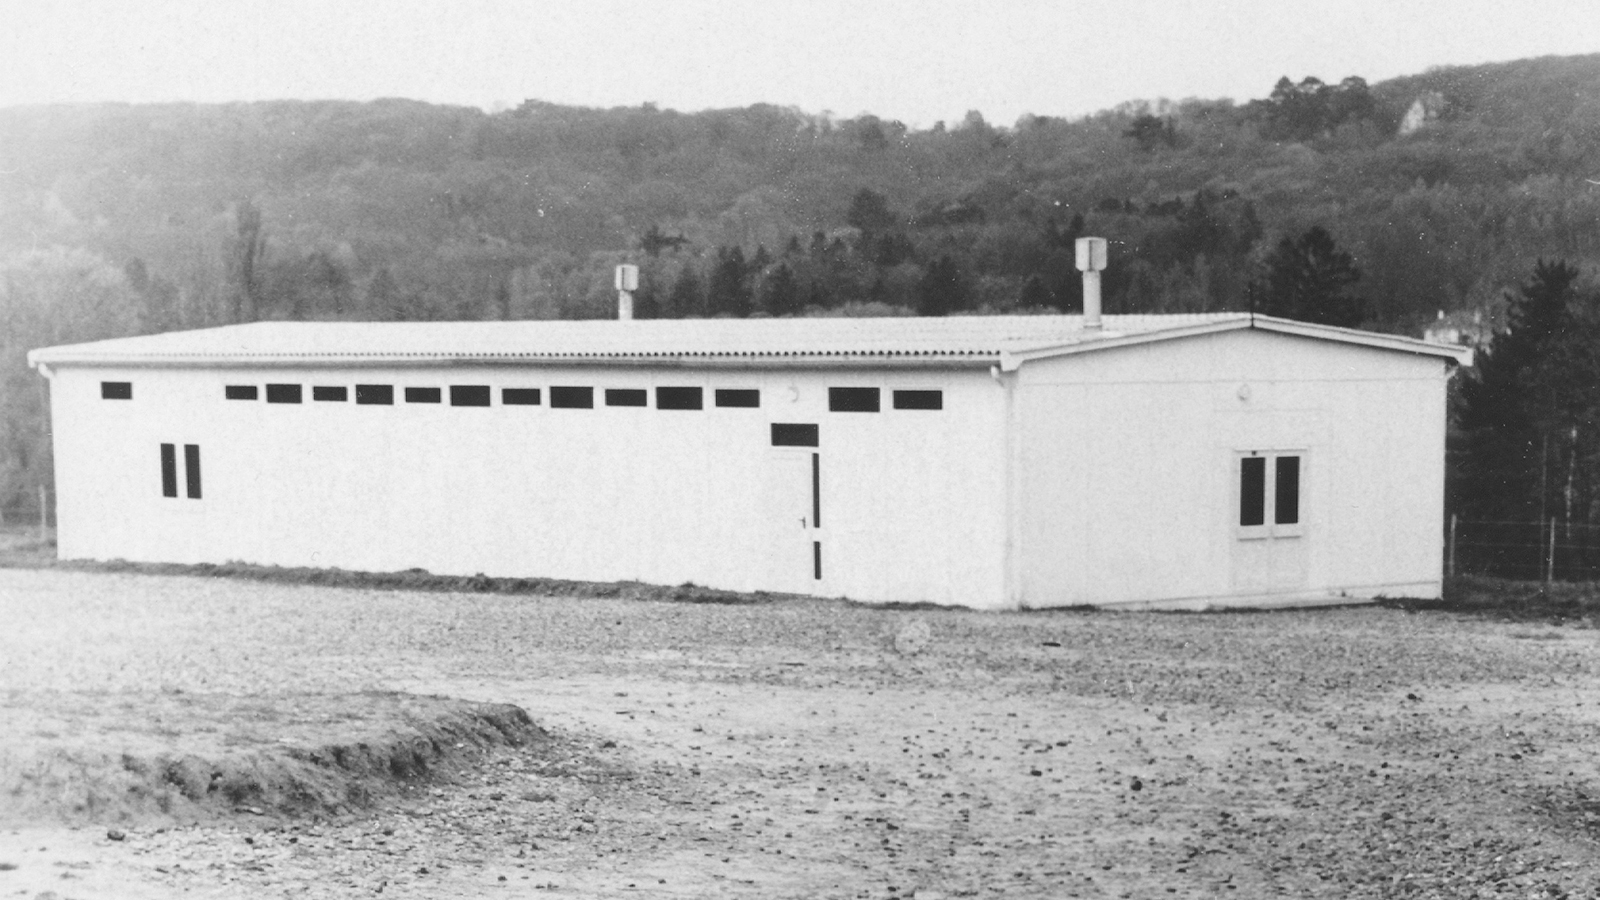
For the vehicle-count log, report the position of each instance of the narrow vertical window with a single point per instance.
(816, 491)
(1253, 490)
(1286, 496)
(169, 470)
(116, 390)
(816, 560)
(191, 469)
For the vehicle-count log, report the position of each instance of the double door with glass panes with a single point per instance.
(1269, 547)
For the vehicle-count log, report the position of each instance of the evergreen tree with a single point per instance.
(647, 299)
(686, 300)
(1307, 278)
(869, 211)
(941, 290)
(654, 241)
(728, 294)
(383, 296)
(1034, 294)
(1531, 388)
(819, 245)
(893, 249)
(781, 296)
(1150, 132)
(816, 295)
(249, 246)
(869, 131)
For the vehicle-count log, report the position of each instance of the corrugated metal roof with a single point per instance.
(953, 339)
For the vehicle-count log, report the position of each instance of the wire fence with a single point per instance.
(1552, 550)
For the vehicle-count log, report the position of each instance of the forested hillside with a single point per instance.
(118, 219)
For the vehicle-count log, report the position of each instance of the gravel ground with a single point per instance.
(820, 749)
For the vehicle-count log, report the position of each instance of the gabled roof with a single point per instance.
(1007, 341)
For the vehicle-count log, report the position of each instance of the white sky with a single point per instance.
(914, 60)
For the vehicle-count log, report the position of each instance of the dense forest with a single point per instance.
(1432, 192)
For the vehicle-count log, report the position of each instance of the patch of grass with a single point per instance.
(1512, 600)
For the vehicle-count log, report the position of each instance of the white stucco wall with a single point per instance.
(1128, 469)
(912, 502)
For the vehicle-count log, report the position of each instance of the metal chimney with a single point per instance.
(1091, 259)
(627, 283)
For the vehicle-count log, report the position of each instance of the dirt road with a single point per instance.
(817, 749)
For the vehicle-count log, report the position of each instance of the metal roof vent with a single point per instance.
(1091, 259)
(627, 283)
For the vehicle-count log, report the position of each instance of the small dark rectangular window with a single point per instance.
(627, 397)
(469, 395)
(116, 390)
(572, 397)
(283, 393)
(169, 470)
(919, 399)
(1286, 498)
(334, 394)
(375, 394)
(1253, 490)
(423, 395)
(853, 399)
(519, 397)
(816, 560)
(786, 434)
(745, 397)
(240, 392)
(191, 469)
(679, 398)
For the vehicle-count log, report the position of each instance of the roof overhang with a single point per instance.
(455, 361)
(952, 343)
(1454, 354)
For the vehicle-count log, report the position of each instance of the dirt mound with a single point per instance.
(118, 758)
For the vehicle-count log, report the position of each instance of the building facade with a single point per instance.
(991, 462)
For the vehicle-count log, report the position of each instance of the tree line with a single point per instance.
(1308, 203)
(1526, 441)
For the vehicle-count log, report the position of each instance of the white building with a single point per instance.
(993, 462)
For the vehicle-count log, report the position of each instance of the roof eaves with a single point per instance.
(1112, 339)
(1456, 354)
(715, 359)
(1453, 352)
